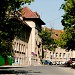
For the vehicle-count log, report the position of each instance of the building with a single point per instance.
(28, 47)
(60, 55)
(20, 43)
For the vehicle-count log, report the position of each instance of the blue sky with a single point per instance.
(49, 12)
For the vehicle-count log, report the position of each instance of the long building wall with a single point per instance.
(20, 52)
(59, 55)
(21, 48)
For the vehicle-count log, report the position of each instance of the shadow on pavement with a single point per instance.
(18, 72)
(66, 66)
(13, 72)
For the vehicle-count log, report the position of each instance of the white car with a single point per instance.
(73, 65)
(73, 62)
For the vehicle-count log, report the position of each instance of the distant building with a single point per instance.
(60, 55)
(55, 33)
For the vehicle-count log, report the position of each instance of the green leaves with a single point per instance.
(9, 27)
(68, 21)
(47, 41)
(45, 36)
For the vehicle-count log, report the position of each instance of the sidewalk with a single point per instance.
(18, 66)
(10, 66)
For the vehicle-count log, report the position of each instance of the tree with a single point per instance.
(7, 6)
(67, 39)
(68, 22)
(8, 26)
(61, 42)
(47, 41)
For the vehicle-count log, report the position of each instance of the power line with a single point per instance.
(53, 20)
(51, 23)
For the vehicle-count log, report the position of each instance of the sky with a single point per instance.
(49, 11)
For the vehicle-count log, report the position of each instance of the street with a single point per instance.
(38, 70)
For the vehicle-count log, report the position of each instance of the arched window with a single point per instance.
(63, 55)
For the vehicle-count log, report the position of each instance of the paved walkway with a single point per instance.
(8, 66)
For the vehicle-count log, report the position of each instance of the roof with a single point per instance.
(56, 33)
(29, 14)
(37, 20)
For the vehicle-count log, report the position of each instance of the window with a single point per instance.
(60, 55)
(63, 55)
(56, 54)
(15, 46)
(56, 34)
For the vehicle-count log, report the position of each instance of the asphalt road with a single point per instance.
(37, 70)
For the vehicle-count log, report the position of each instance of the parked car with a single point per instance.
(54, 63)
(68, 63)
(46, 62)
(62, 63)
(57, 63)
(73, 63)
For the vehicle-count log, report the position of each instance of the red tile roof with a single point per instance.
(56, 33)
(27, 13)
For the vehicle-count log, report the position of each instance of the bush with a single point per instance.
(2, 61)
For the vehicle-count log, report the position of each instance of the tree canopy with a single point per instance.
(8, 27)
(68, 22)
(47, 41)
